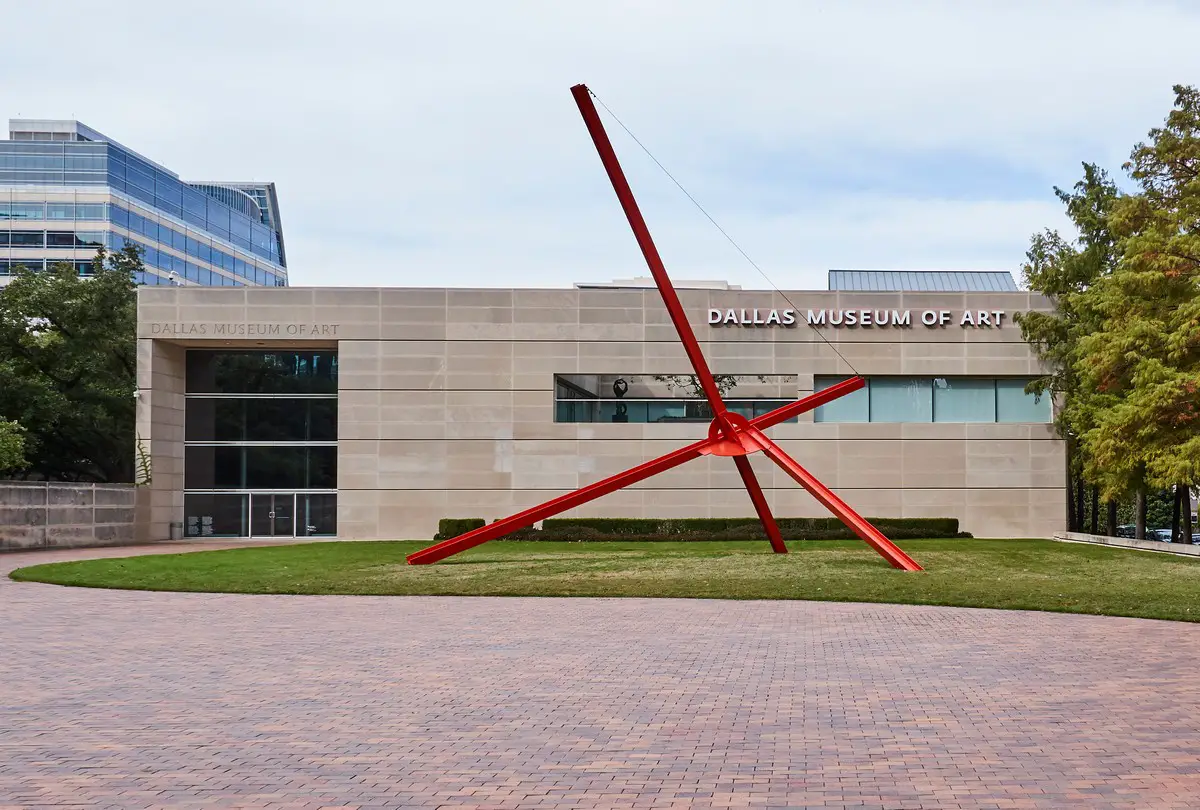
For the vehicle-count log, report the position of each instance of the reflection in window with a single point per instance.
(1014, 405)
(316, 515)
(261, 420)
(23, 238)
(22, 211)
(642, 398)
(259, 467)
(288, 372)
(938, 399)
(964, 400)
(901, 399)
(215, 515)
(194, 243)
(77, 163)
(853, 407)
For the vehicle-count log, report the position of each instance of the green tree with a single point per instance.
(1066, 272)
(68, 367)
(1146, 359)
(12, 446)
(1158, 510)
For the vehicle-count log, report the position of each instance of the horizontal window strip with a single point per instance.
(947, 399)
(261, 396)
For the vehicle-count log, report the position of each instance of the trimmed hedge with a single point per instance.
(453, 527)
(649, 529)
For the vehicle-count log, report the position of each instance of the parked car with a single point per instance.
(1156, 535)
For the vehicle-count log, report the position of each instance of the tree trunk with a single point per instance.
(1175, 515)
(1139, 531)
(1072, 509)
(1187, 515)
(1095, 510)
(1070, 500)
(1080, 494)
(1112, 519)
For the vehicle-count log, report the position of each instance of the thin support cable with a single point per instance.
(717, 225)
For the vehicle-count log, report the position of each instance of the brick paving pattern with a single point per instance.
(142, 700)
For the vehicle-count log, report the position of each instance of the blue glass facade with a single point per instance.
(204, 233)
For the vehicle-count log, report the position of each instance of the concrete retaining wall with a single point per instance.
(1125, 542)
(63, 515)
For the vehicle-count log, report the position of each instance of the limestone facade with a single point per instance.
(447, 401)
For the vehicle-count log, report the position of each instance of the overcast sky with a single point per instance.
(436, 143)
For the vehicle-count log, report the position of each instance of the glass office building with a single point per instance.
(66, 189)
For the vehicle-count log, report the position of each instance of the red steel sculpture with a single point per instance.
(730, 434)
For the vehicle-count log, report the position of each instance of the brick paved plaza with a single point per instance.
(140, 700)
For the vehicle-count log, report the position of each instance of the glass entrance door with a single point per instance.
(272, 514)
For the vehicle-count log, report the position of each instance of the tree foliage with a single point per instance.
(68, 368)
(1123, 344)
(12, 446)
(1067, 272)
(1147, 358)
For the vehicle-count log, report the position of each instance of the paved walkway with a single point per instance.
(139, 700)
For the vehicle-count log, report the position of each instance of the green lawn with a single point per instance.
(1025, 574)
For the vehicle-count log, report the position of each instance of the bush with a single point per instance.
(527, 533)
(453, 527)
(748, 528)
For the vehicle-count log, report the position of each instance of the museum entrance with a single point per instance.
(260, 514)
(260, 444)
(291, 514)
(272, 514)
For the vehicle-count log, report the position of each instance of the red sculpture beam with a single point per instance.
(730, 434)
(750, 481)
(854, 521)
(691, 347)
(670, 298)
(591, 492)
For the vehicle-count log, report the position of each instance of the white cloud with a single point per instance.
(437, 143)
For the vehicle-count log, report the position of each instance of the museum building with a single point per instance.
(362, 413)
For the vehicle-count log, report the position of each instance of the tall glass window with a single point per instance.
(211, 467)
(212, 419)
(295, 372)
(260, 444)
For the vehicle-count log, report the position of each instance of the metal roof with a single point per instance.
(923, 280)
